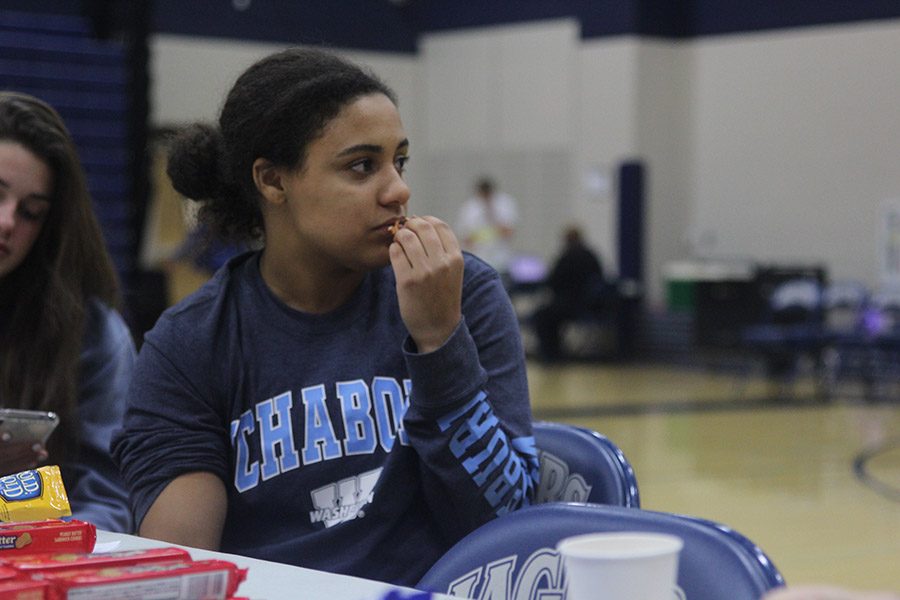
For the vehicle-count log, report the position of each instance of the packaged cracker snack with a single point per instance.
(34, 494)
(51, 535)
(23, 589)
(28, 564)
(178, 580)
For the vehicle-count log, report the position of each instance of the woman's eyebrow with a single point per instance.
(5, 185)
(372, 148)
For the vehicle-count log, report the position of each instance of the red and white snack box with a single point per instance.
(6, 573)
(29, 564)
(176, 580)
(23, 589)
(51, 535)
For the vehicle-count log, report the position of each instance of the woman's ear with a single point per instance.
(269, 181)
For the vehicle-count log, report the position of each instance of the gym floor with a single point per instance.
(815, 483)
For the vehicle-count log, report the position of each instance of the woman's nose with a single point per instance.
(396, 190)
(7, 216)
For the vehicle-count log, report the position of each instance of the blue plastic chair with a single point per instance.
(843, 304)
(580, 465)
(515, 557)
(846, 334)
(879, 338)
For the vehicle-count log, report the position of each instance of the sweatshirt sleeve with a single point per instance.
(469, 417)
(171, 425)
(95, 489)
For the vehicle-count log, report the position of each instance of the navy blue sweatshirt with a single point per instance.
(342, 449)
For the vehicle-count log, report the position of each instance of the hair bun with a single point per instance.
(196, 162)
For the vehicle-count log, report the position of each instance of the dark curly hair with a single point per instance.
(274, 110)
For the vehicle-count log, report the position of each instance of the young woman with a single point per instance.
(347, 398)
(63, 346)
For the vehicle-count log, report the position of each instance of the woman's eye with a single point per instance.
(363, 166)
(31, 214)
(400, 163)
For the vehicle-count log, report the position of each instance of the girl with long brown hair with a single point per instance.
(63, 346)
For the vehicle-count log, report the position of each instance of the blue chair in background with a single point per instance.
(580, 465)
(515, 557)
(881, 338)
(863, 343)
(845, 333)
(843, 305)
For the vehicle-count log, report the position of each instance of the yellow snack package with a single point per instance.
(33, 495)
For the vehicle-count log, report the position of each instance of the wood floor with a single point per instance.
(780, 471)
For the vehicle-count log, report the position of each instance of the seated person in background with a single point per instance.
(350, 398)
(811, 592)
(63, 346)
(576, 283)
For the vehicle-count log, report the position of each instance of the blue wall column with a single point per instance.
(631, 252)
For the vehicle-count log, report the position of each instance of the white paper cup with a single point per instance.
(621, 566)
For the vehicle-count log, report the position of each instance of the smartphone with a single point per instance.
(30, 427)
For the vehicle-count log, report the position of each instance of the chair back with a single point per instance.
(884, 311)
(580, 465)
(514, 557)
(796, 301)
(844, 303)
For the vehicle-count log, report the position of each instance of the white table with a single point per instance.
(269, 580)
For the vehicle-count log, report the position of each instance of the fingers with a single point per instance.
(399, 261)
(20, 457)
(448, 239)
(426, 236)
(40, 452)
(419, 241)
(428, 266)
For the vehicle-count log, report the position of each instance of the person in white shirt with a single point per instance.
(487, 222)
